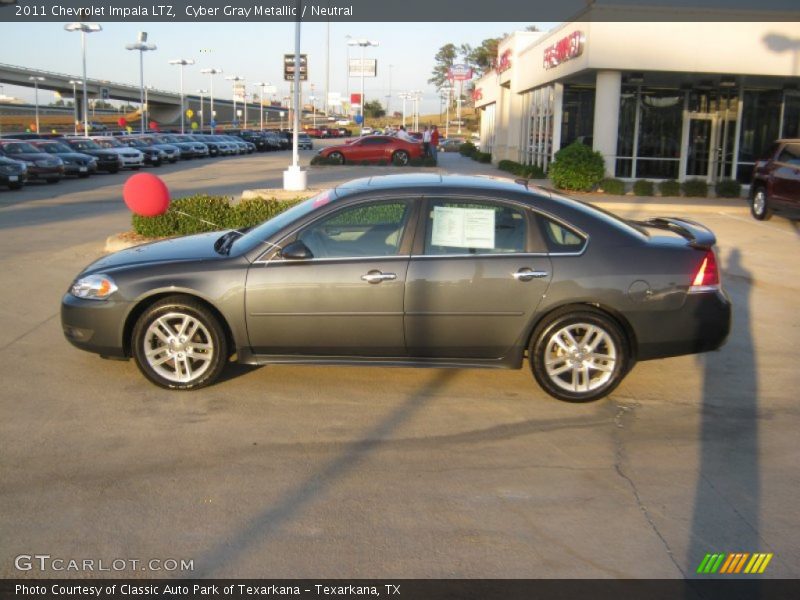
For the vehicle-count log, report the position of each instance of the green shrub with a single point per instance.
(482, 157)
(209, 213)
(670, 187)
(642, 187)
(533, 172)
(728, 188)
(613, 186)
(577, 167)
(467, 149)
(526, 171)
(694, 188)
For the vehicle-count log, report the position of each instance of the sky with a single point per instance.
(251, 50)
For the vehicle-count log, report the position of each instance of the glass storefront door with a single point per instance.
(708, 145)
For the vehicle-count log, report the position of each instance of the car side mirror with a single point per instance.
(297, 250)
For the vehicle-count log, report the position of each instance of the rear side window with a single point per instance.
(473, 227)
(560, 238)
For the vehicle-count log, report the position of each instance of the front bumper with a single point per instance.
(95, 326)
(45, 173)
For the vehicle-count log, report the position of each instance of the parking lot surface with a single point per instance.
(293, 471)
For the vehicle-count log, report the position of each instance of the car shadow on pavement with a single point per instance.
(266, 523)
(727, 499)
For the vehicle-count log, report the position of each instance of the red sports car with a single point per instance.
(373, 148)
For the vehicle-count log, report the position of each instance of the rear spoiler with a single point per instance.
(698, 235)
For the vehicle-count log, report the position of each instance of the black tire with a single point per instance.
(15, 185)
(135, 168)
(53, 180)
(179, 356)
(336, 157)
(400, 158)
(760, 204)
(113, 170)
(605, 369)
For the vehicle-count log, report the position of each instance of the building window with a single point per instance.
(791, 115)
(537, 128)
(761, 112)
(650, 125)
(577, 115)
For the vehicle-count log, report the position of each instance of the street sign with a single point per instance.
(104, 94)
(288, 67)
(359, 119)
(369, 67)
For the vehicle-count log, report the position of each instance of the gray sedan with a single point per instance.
(412, 270)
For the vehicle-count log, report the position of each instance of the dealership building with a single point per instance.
(659, 100)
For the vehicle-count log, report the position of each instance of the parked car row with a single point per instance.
(50, 157)
(328, 132)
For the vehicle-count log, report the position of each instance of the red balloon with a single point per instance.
(146, 195)
(122, 121)
(153, 125)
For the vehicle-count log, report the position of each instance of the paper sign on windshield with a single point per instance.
(463, 227)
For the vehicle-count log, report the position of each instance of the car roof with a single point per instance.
(417, 180)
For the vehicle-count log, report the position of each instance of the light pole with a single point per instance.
(235, 79)
(182, 62)
(364, 43)
(348, 37)
(211, 73)
(142, 46)
(447, 91)
(202, 111)
(389, 95)
(36, 79)
(74, 85)
(261, 85)
(405, 96)
(84, 28)
(415, 96)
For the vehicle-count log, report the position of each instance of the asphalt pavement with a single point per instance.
(295, 471)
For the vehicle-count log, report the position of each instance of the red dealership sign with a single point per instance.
(564, 49)
(504, 61)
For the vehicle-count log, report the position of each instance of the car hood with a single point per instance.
(30, 156)
(189, 248)
(74, 155)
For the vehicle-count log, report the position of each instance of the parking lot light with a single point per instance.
(261, 85)
(74, 84)
(142, 46)
(202, 112)
(364, 43)
(236, 79)
(84, 28)
(182, 62)
(212, 114)
(36, 79)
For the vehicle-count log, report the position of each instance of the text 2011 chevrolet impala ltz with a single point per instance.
(412, 270)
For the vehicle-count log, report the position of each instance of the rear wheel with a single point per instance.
(336, 157)
(179, 344)
(400, 157)
(759, 204)
(579, 356)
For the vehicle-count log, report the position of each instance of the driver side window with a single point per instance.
(365, 230)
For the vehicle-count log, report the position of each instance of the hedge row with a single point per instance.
(520, 170)
(209, 213)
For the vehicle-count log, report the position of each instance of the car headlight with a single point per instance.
(93, 287)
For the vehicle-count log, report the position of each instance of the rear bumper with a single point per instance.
(702, 324)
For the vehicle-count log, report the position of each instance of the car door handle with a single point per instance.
(526, 274)
(377, 277)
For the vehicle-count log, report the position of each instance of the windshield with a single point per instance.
(19, 148)
(109, 143)
(169, 138)
(83, 145)
(267, 229)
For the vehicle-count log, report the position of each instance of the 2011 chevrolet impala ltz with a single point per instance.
(412, 270)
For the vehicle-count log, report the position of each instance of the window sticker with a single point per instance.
(463, 227)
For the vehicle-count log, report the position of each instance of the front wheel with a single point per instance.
(579, 356)
(336, 158)
(400, 158)
(179, 344)
(759, 205)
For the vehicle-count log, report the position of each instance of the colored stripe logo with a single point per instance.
(732, 563)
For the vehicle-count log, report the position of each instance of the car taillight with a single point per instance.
(706, 278)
